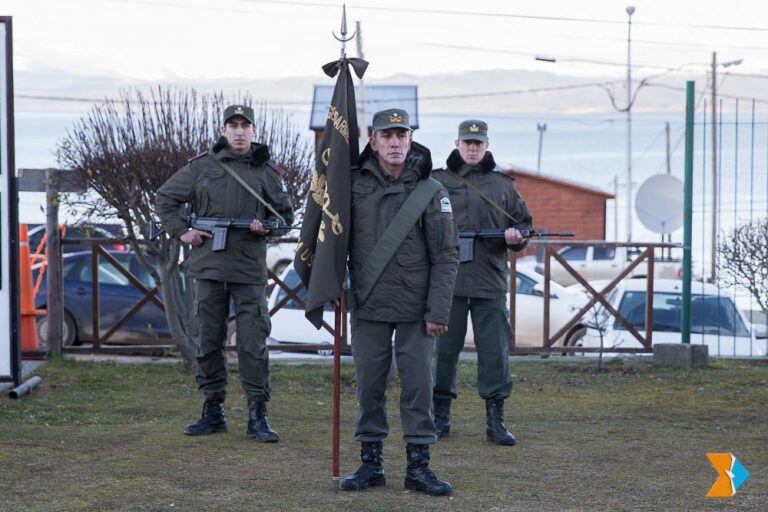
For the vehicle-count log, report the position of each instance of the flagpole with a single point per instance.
(336, 393)
(337, 311)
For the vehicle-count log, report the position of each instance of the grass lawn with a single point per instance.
(105, 437)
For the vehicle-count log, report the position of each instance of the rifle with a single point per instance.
(467, 238)
(218, 226)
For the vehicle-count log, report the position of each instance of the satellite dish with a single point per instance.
(659, 203)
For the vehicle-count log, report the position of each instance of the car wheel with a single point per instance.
(68, 335)
(280, 266)
(574, 339)
(231, 333)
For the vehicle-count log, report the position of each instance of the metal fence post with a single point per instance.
(688, 211)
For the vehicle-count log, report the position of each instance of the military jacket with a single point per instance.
(213, 192)
(487, 275)
(418, 282)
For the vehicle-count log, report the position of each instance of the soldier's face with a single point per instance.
(392, 146)
(239, 133)
(471, 151)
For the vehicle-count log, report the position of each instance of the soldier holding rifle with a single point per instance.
(482, 198)
(234, 180)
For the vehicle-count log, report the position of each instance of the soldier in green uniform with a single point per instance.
(481, 197)
(209, 183)
(402, 264)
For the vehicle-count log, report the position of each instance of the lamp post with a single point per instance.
(715, 64)
(630, 11)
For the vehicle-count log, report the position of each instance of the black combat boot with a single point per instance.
(212, 420)
(442, 408)
(496, 432)
(258, 428)
(418, 476)
(371, 471)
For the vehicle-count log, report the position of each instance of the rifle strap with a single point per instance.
(485, 197)
(391, 239)
(247, 187)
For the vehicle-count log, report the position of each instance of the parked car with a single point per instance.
(116, 296)
(715, 320)
(529, 310)
(290, 326)
(280, 255)
(595, 263)
(78, 232)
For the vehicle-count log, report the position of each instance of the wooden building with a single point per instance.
(563, 205)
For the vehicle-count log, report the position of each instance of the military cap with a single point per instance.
(473, 129)
(392, 118)
(239, 110)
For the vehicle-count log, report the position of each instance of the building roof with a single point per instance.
(572, 184)
(377, 97)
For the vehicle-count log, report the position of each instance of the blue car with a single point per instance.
(116, 297)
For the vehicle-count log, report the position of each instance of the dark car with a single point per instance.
(116, 296)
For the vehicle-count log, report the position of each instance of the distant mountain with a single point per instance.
(496, 91)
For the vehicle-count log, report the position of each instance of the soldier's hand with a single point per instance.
(436, 329)
(195, 237)
(257, 227)
(513, 236)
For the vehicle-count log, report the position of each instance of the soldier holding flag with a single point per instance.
(402, 264)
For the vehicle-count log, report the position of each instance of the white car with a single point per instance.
(290, 326)
(529, 310)
(715, 320)
(280, 255)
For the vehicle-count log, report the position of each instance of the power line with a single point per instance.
(498, 14)
(559, 59)
(484, 14)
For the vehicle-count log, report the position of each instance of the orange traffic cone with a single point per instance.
(30, 344)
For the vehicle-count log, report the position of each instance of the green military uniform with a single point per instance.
(481, 284)
(415, 287)
(402, 263)
(239, 272)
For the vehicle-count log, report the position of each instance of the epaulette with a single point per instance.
(201, 155)
(272, 165)
(502, 173)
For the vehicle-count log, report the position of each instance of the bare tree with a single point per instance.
(124, 149)
(743, 260)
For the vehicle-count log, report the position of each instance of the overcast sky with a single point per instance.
(203, 39)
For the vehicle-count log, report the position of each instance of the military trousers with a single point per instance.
(372, 352)
(490, 323)
(212, 299)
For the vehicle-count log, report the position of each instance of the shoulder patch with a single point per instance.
(199, 155)
(445, 205)
(272, 165)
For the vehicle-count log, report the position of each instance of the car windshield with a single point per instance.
(292, 279)
(710, 314)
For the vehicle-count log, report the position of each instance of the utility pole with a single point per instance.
(361, 122)
(615, 207)
(541, 127)
(713, 263)
(630, 11)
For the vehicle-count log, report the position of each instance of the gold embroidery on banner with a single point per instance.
(319, 189)
(339, 122)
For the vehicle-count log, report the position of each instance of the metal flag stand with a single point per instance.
(337, 310)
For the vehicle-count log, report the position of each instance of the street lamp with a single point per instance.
(630, 11)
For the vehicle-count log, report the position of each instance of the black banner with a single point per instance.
(321, 253)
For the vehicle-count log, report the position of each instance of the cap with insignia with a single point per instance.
(393, 118)
(473, 129)
(239, 110)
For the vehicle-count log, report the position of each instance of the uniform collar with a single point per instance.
(456, 164)
(257, 156)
